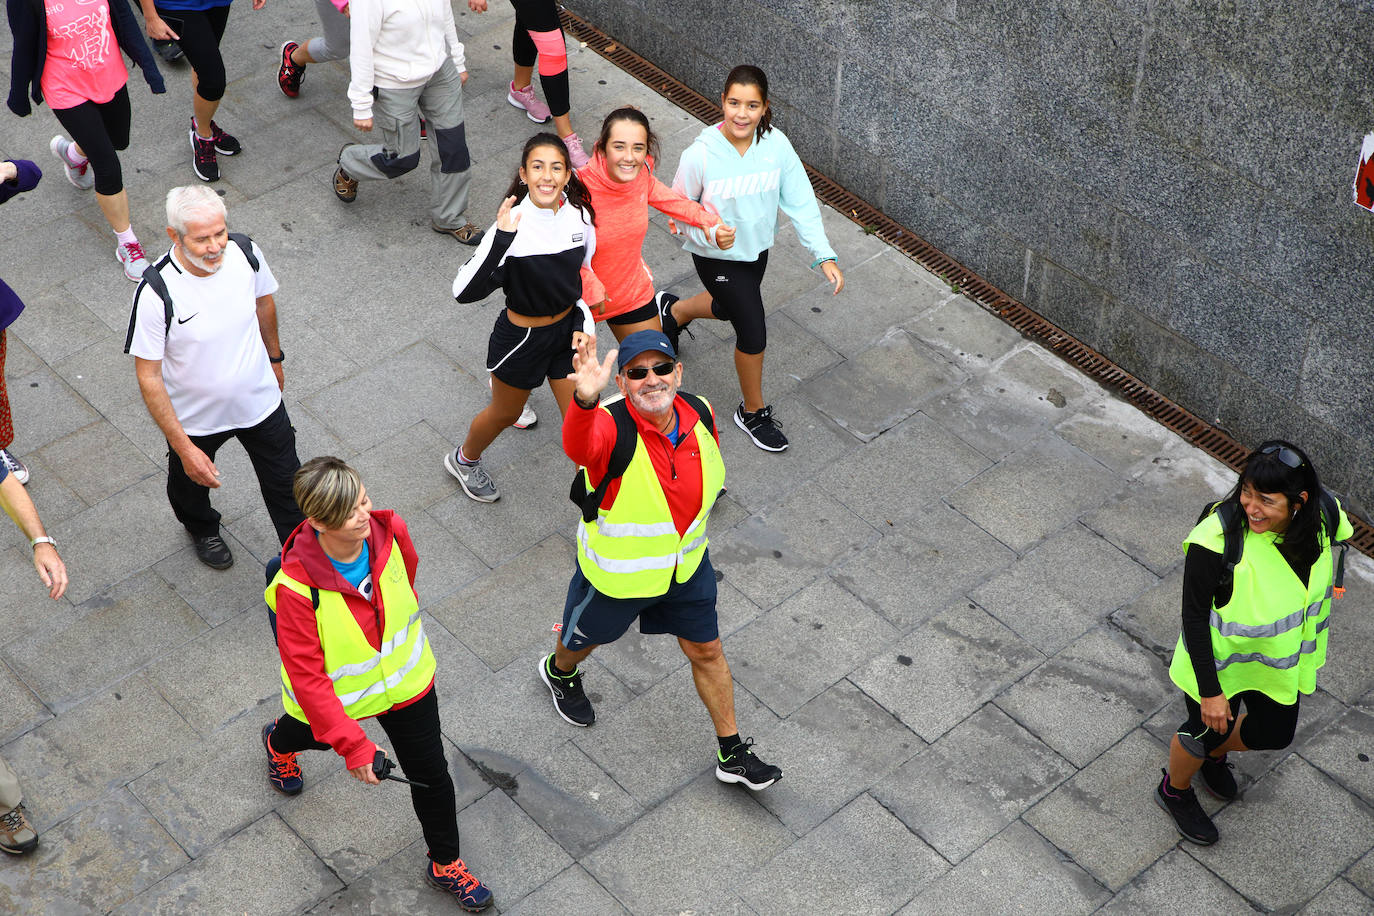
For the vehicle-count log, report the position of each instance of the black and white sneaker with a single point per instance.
(1192, 822)
(203, 158)
(664, 302)
(761, 427)
(741, 766)
(569, 700)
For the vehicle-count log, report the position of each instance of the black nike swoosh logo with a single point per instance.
(184, 320)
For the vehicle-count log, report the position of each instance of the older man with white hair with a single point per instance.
(203, 334)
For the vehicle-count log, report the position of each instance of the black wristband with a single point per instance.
(592, 406)
(279, 358)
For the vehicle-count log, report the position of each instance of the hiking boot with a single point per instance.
(134, 260)
(213, 552)
(576, 154)
(283, 770)
(467, 233)
(17, 835)
(1218, 779)
(203, 158)
(761, 427)
(471, 894)
(526, 101)
(1192, 822)
(78, 175)
(741, 766)
(290, 73)
(569, 700)
(475, 480)
(168, 50)
(14, 466)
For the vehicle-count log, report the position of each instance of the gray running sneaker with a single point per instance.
(475, 480)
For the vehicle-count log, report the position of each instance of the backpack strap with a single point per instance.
(626, 438)
(1331, 518)
(153, 277)
(246, 244)
(708, 419)
(1234, 540)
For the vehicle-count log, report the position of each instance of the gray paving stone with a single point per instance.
(401, 470)
(55, 323)
(1343, 751)
(969, 785)
(22, 710)
(805, 644)
(836, 746)
(1175, 877)
(572, 892)
(1104, 817)
(508, 850)
(119, 632)
(874, 390)
(217, 595)
(506, 613)
(922, 564)
(71, 761)
(1340, 898)
(1118, 435)
(1361, 874)
(1025, 867)
(266, 856)
(964, 331)
(670, 725)
(1348, 674)
(97, 859)
(1331, 833)
(398, 885)
(946, 668)
(25, 608)
(1062, 588)
(572, 799)
(445, 564)
(1034, 492)
(793, 356)
(861, 860)
(43, 394)
(773, 554)
(1090, 695)
(1154, 618)
(693, 852)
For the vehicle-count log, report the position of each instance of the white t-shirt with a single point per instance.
(214, 363)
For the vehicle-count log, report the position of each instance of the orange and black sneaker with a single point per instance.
(283, 770)
(290, 73)
(471, 894)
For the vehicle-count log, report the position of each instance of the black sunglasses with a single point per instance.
(1286, 455)
(638, 373)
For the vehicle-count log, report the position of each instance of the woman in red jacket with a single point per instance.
(353, 646)
(621, 179)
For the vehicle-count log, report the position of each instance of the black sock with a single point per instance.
(559, 672)
(728, 743)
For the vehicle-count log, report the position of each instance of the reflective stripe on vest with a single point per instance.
(632, 550)
(367, 681)
(1271, 635)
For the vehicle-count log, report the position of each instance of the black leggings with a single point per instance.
(1269, 725)
(201, 31)
(736, 297)
(419, 749)
(542, 16)
(101, 129)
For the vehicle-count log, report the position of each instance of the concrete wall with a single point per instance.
(1168, 180)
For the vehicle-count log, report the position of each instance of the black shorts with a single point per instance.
(524, 357)
(646, 312)
(1268, 725)
(686, 610)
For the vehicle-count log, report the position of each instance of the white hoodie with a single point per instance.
(398, 44)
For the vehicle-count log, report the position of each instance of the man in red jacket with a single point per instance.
(644, 557)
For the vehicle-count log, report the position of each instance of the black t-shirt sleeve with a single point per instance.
(1202, 571)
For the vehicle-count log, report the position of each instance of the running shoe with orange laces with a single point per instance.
(471, 894)
(283, 770)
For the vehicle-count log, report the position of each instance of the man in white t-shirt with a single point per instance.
(210, 368)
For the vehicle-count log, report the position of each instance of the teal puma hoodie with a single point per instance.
(747, 192)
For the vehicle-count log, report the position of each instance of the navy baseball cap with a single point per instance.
(643, 342)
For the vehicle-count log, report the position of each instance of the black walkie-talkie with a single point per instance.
(382, 767)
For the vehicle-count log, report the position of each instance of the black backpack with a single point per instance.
(153, 278)
(626, 437)
(272, 568)
(1230, 515)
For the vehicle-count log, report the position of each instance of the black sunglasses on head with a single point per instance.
(1286, 455)
(638, 373)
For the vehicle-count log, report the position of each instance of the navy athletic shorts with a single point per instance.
(687, 610)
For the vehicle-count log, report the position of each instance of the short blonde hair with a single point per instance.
(192, 200)
(327, 490)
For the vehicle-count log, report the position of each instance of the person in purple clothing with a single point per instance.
(16, 177)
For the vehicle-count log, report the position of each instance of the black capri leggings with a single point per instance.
(101, 129)
(1268, 726)
(737, 297)
(201, 31)
(534, 16)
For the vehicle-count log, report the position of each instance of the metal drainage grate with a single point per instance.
(1191, 427)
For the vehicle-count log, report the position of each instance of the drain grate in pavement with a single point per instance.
(1191, 427)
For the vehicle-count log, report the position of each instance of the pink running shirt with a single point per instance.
(83, 63)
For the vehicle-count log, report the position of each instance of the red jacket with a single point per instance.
(298, 637)
(589, 437)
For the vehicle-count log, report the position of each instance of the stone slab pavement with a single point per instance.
(948, 606)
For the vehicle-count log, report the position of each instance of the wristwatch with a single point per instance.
(279, 358)
(43, 540)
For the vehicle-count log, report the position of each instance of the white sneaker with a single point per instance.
(527, 418)
(14, 466)
(134, 260)
(79, 175)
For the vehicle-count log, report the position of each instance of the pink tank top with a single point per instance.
(83, 63)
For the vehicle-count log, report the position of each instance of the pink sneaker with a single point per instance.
(134, 260)
(576, 154)
(78, 175)
(525, 100)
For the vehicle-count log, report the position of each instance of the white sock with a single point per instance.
(127, 237)
(72, 158)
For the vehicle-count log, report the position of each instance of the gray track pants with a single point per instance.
(333, 45)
